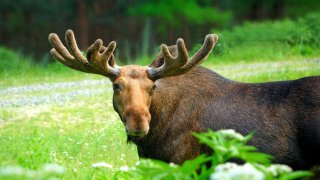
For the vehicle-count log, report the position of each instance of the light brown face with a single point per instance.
(133, 91)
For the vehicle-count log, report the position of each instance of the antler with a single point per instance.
(173, 66)
(100, 59)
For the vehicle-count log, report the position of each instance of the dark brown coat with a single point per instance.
(285, 116)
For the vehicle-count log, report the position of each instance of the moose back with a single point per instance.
(162, 104)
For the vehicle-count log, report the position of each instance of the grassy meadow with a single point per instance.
(56, 115)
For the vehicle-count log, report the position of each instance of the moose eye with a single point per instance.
(116, 87)
(151, 90)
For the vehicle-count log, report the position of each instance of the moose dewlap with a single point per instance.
(162, 104)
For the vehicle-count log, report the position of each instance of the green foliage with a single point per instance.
(267, 39)
(155, 169)
(11, 61)
(307, 30)
(171, 15)
(226, 145)
(253, 33)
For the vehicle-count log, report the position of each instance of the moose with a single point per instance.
(162, 104)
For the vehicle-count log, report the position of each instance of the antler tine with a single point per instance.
(100, 59)
(203, 52)
(72, 44)
(171, 63)
(59, 51)
(73, 59)
(103, 60)
(173, 66)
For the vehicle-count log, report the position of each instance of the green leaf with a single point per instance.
(256, 157)
(296, 175)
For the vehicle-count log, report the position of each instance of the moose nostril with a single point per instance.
(137, 133)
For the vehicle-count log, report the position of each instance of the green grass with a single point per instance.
(74, 134)
(82, 130)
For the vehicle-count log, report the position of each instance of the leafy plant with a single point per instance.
(226, 145)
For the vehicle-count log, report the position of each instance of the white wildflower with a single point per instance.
(279, 169)
(86, 144)
(172, 164)
(124, 168)
(232, 171)
(102, 164)
(104, 147)
(53, 169)
(231, 134)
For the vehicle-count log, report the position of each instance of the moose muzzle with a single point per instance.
(136, 120)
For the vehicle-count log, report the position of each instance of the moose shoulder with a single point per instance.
(161, 105)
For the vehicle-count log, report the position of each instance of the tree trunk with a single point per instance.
(277, 9)
(256, 10)
(186, 33)
(82, 23)
(4, 30)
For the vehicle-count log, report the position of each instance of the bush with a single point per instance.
(12, 61)
(302, 36)
(307, 30)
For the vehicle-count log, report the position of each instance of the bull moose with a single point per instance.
(162, 104)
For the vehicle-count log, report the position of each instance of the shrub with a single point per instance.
(11, 61)
(302, 35)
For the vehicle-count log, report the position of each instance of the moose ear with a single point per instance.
(112, 61)
(157, 62)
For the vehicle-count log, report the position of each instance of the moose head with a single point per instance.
(133, 85)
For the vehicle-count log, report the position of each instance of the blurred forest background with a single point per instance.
(140, 26)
